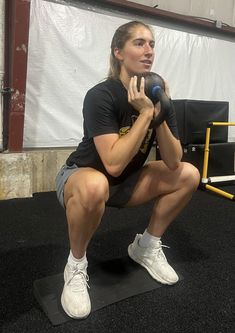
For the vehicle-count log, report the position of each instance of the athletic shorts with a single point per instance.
(119, 195)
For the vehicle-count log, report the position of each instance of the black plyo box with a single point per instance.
(193, 117)
(221, 157)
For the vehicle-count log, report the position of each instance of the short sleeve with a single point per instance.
(99, 112)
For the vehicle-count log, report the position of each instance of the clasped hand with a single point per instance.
(139, 100)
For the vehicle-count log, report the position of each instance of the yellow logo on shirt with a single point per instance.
(144, 145)
(124, 130)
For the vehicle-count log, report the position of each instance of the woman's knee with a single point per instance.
(190, 176)
(90, 192)
(96, 190)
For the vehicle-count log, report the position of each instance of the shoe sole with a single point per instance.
(154, 275)
(69, 314)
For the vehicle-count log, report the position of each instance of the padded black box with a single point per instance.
(193, 116)
(221, 158)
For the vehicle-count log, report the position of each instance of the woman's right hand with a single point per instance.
(138, 99)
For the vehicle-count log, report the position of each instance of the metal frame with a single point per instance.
(206, 181)
(17, 15)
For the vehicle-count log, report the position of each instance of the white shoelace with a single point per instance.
(79, 280)
(159, 253)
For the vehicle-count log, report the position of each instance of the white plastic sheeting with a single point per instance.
(69, 53)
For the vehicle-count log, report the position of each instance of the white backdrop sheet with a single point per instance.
(69, 53)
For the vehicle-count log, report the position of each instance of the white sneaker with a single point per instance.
(75, 299)
(154, 260)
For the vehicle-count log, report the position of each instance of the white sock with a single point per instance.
(148, 240)
(74, 261)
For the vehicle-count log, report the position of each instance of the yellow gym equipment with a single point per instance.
(206, 181)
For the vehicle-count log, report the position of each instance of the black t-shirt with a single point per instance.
(106, 110)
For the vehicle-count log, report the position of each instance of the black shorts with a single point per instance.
(119, 195)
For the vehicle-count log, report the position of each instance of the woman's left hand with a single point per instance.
(157, 109)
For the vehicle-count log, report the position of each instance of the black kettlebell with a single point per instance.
(155, 90)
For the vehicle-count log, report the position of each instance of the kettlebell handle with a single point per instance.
(165, 106)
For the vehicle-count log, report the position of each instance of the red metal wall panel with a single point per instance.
(17, 23)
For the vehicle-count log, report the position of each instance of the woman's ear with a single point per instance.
(118, 53)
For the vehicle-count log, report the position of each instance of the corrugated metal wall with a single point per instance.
(223, 11)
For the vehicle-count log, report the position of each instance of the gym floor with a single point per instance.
(34, 244)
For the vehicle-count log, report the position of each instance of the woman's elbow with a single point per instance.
(173, 165)
(114, 170)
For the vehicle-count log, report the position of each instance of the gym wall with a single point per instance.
(69, 53)
(2, 7)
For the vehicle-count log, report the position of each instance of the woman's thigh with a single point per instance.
(157, 179)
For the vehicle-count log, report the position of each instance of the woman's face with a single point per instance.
(137, 54)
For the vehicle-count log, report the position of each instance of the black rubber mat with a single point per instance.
(110, 282)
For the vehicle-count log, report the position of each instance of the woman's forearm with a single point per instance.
(127, 146)
(170, 148)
